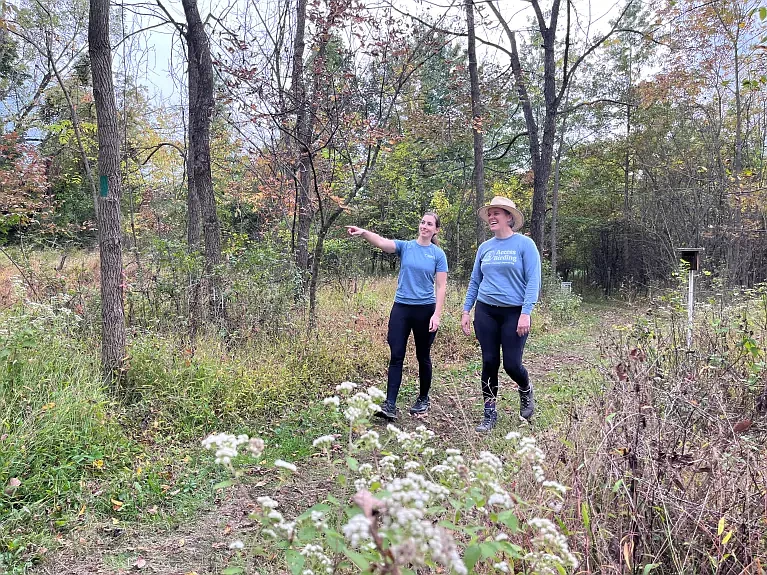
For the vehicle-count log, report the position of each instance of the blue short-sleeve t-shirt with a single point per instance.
(417, 272)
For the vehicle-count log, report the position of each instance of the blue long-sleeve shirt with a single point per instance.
(507, 272)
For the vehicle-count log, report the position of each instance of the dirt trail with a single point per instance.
(200, 546)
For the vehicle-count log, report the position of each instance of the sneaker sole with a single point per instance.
(382, 415)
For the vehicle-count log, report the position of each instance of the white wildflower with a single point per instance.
(388, 464)
(318, 520)
(357, 530)
(324, 441)
(360, 406)
(550, 547)
(284, 465)
(237, 545)
(501, 536)
(267, 502)
(334, 401)
(502, 566)
(346, 387)
(316, 553)
(225, 445)
(370, 439)
(376, 393)
(255, 446)
(275, 515)
(555, 486)
(411, 465)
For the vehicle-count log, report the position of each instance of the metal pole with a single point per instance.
(690, 304)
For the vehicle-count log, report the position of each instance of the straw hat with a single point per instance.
(507, 205)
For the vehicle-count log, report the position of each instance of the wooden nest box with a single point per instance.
(692, 256)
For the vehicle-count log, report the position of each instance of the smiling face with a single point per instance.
(428, 227)
(498, 219)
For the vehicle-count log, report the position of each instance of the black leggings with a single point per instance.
(496, 328)
(402, 320)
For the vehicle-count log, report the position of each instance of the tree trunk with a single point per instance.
(201, 109)
(542, 149)
(304, 209)
(626, 178)
(193, 215)
(477, 127)
(555, 190)
(110, 232)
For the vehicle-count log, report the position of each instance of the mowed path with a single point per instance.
(557, 363)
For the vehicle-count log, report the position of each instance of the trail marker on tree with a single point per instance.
(692, 257)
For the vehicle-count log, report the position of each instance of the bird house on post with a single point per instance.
(692, 257)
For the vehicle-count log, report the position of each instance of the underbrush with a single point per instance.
(71, 455)
(669, 463)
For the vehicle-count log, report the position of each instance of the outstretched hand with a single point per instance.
(354, 231)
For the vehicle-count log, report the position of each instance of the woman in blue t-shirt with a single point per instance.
(417, 306)
(504, 283)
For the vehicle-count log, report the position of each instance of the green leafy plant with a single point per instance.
(411, 508)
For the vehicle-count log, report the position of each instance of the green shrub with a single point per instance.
(55, 421)
(560, 305)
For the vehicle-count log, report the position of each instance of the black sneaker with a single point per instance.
(488, 421)
(420, 406)
(388, 411)
(526, 403)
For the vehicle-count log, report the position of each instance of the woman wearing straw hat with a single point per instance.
(504, 284)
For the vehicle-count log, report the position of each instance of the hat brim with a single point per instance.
(519, 219)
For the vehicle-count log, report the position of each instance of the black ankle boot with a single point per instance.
(526, 403)
(489, 420)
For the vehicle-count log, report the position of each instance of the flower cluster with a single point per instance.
(370, 440)
(225, 445)
(285, 465)
(318, 520)
(335, 401)
(404, 523)
(315, 555)
(277, 528)
(324, 441)
(529, 452)
(413, 442)
(394, 522)
(359, 407)
(357, 530)
(551, 553)
(367, 478)
(346, 387)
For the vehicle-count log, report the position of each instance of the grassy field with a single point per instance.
(92, 485)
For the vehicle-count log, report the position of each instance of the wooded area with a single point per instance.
(623, 140)
(174, 183)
